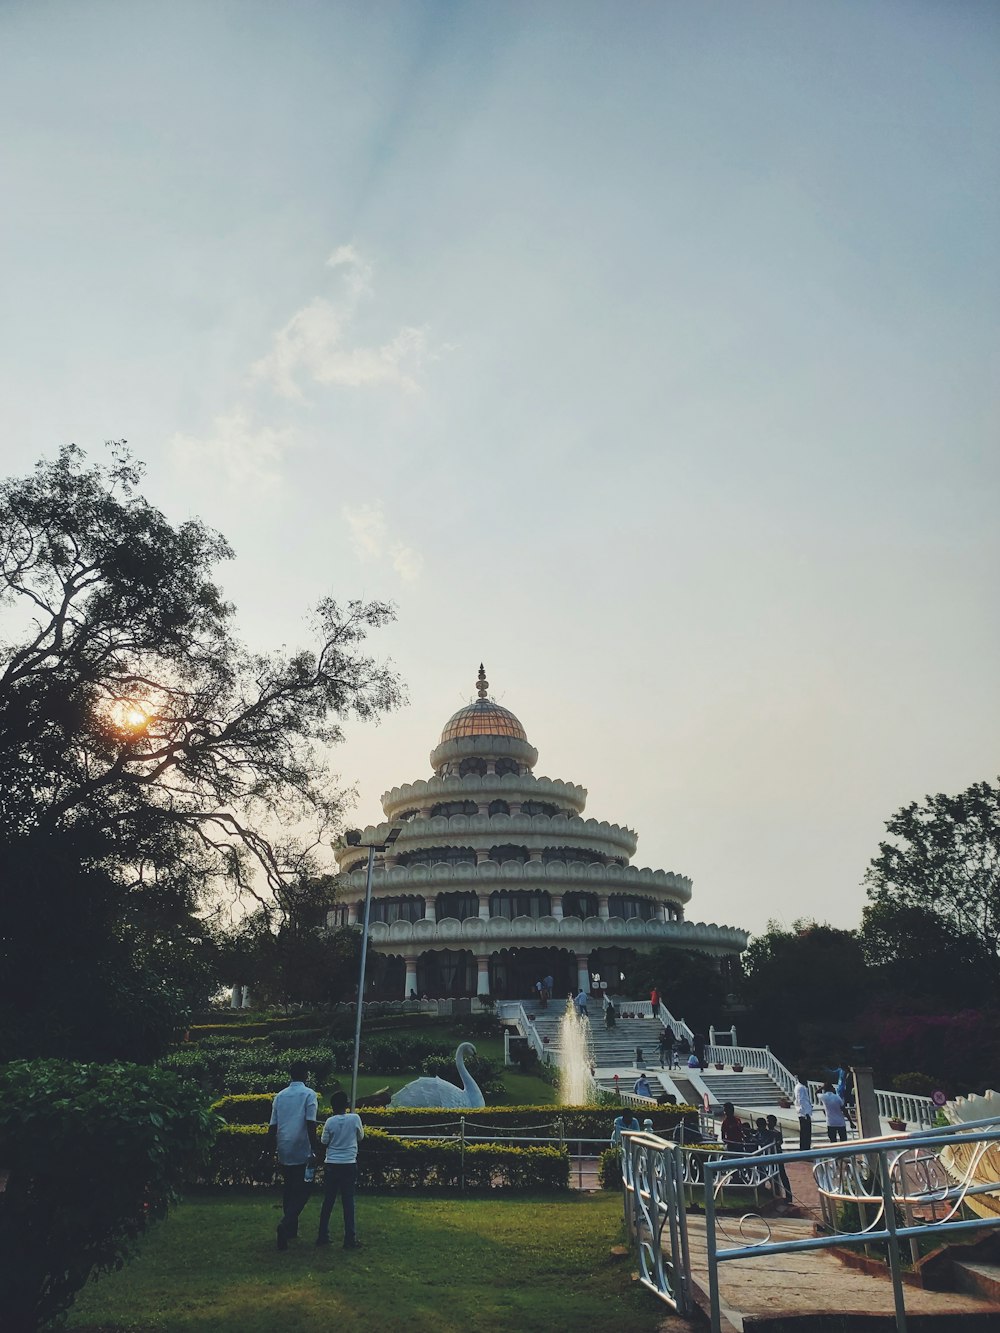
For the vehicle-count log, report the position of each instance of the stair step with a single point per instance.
(978, 1279)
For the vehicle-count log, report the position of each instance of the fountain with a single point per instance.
(576, 1082)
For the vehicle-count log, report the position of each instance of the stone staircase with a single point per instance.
(614, 1052)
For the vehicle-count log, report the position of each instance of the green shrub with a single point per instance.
(578, 1122)
(486, 1072)
(254, 1108)
(919, 1085)
(610, 1169)
(95, 1154)
(242, 1156)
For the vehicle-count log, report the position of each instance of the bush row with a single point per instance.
(336, 1023)
(220, 1067)
(241, 1156)
(585, 1122)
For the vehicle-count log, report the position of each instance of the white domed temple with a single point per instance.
(496, 879)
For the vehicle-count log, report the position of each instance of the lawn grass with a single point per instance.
(436, 1264)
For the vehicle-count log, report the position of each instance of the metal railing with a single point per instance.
(653, 1184)
(870, 1175)
(899, 1189)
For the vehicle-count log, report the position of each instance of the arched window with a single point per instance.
(397, 909)
(627, 906)
(499, 808)
(428, 856)
(508, 852)
(515, 904)
(472, 765)
(580, 904)
(455, 808)
(458, 906)
(503, 766)
(539, 808)
(572, 854)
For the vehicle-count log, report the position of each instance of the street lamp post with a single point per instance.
(353, 839)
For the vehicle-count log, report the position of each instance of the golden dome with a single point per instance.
(482, 718)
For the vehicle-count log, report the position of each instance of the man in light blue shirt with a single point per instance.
(292, 1134)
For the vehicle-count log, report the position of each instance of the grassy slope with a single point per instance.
(430, 1265)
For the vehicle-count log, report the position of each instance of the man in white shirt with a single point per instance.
(836, 1121)
(804, 1110)
(341, 1134)
(292, 1134)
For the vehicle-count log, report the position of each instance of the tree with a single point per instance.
(934, 890)
(146, 756)
(808, 974)
(295, 960)
(94, 1154)
(690, 982)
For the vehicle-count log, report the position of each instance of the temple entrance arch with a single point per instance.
(610, 965)
(386, 976)
(513, 972)
(444, 974)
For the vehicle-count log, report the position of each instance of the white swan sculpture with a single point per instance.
(433, 1091)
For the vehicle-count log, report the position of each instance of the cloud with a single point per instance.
(369, 537)
(317, 343)
(249, 454)
(407, 562)
(367, 528)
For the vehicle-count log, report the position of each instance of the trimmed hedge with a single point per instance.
(587, 1122)
(227, 1064)
(242, 1156)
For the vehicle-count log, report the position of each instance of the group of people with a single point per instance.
(837, 1105)
(293, 1135)
(544, 987)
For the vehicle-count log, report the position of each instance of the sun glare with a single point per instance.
(127, 715)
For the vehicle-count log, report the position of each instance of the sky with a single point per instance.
(645, 352)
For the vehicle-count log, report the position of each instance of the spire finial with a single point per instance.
(482, 684)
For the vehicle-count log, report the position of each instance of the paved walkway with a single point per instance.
(809, 1283)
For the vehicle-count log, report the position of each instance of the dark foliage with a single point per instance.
(146, 757)
(95, 1154)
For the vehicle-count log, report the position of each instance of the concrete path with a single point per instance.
(793, 1286)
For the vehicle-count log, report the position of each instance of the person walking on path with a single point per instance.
(775, 1143)
(341, 1135)
(666, 1042)
(804, 1110)
(641, 1087)
(292, 1134)
(581, 1003)
(836, 1121)
(731, 1129)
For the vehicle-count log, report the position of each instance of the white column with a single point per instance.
(557, 908)
(430, 909)
(246, 997)
(352, 914)
(602, 907)
(483, 984)
(410, 984)
(583, 972)
(234, 1003)
(484, 907)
